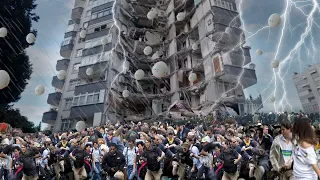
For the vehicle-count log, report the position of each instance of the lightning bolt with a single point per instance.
(295, 50)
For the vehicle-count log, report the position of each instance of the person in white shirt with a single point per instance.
(304, 157)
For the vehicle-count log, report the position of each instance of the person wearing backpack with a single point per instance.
(153, 155)
(130, 153)
(96, 158)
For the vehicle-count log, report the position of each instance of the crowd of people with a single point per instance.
(152, 151)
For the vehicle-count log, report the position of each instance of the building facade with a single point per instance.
(308, 88)
(190, 36)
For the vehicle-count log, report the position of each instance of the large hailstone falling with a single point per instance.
(139, 74)
(125, 93)
(274, 20)
(80, 126)
(181, 16)
(192, 77)
(160, 69)
(104, 40)
(62, 74)
(259, 52)
(31, 38)
(83, 33)
(89, 71)
(3, 32)
(39, 90)
(275, 63)
(147, 50)
(4, 79)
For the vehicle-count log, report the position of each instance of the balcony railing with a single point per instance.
(49, 117)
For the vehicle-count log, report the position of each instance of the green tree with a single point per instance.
(16, 120)
(38, 128)
(17, 17)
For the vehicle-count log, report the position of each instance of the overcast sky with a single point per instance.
(54, 16)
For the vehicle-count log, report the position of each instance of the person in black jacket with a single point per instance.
(113, 162)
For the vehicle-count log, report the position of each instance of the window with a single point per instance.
(94, 16)
(79, 53)
(67, 41)
(103, 27)
(71, 27)
(65, 124)
(102, 13)
(85, 25)
(75, 101)
(90, 99)
(82, 100)
(88, 13)
(95, 98)
(68, 104)
(76, 67)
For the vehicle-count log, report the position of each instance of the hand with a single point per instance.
(236, 161)
(193, 169)
(191, 154)
(158, 159)
(243, 148)
(112, 170)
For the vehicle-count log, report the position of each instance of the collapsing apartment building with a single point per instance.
(190, 36)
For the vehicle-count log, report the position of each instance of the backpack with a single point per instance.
(29, 166)
(152, 162)
(228, 165)
(79, 162)
(199, 146)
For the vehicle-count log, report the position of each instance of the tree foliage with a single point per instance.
(16, 120)
(17, 17)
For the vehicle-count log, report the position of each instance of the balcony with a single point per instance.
(86, 111)
(226, 16)
(102, 19)
(62, 64)
(90, 87)
(49, 117)
(231, 74)
(97, 34)
(66, 48)
(54, 98)
(74, 21)
(96, 49)
(99, 69)
(57, 83)
(101, 5)
(76, 13)
(240, 57)
(70, 34)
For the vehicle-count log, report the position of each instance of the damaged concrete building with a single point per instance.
(107, 41)
(190, 36)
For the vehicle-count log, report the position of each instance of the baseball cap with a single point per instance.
(205, 139)
(185, 145)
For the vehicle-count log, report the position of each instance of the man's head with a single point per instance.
(286, 129)
(131, 142)
(95, 143)
(265, 130)
(64, 139)
(113, 149)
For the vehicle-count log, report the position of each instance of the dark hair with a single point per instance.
(88, 145)
(141, 143)
(113, 145)
(94, 141)
(303, 131)
(286, 124)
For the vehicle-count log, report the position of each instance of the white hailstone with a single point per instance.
(83, 33)
(80, 126)
(155, 56)
(228, 30)
(252, 66)
(39, 90)
(89, 71)
(259, 52)
(195, 46)
(4, 79)
(3, 32)
(181, 16)
(192, 77)
(62, 74)
(272, 99)
(104, 40)
(147, 50)
(31, 38)
(152, 14)
(125, 93)
(275, 63)
(274, 20)
(160, 69)
(139, 74)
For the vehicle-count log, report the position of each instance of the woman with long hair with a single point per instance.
(305, 159)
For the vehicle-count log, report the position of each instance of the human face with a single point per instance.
(140, 147)
(95, 145)
(265, 130)
(112, 150)
(16, 152)
(23, 148)
(233, 142)
(285, 132)
(130, 143)
(148, 144)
